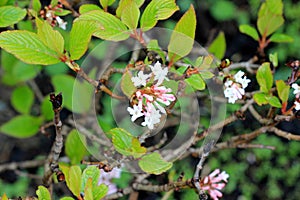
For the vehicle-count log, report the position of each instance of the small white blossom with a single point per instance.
(61, 23)
(135, 112)
(152, 116)
(140, 79)
(296, 88)
(297, 105)
(240, 78)
(160, 74)
(239, 75)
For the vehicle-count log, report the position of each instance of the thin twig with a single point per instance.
(21, 165)
(284, 134)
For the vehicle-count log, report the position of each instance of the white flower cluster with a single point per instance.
(235, 88)
(296, 88)
(53, 20)
(150, 99)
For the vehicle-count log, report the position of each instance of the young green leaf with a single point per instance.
(264, 77)
(283, 90)
(100, 191)
(260, 98)
(274, 101)
(28, 47)
(65, 170)
(108, 26)
(126, 144)
(22, 99)
(157, 10)
(91, 172)
(274, 59)
(4, 197)
(154, 164)
(206, 74)
(36, 5)
(124, 3)
(80, 36)
(106, 3)
(196, 82)
(51, 38)
(218, 46)
(127, 85)
(182, 38)
(10, 15)
(249, 30)
(279, 37)
(88, 7)
(270, 17)
(130, 15)
(22, 126)
(75, 147)
(43, 193)
(88, 194)
(75, 180)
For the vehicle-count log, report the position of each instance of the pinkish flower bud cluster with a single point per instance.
(296, 92)
(149, 101)
(49, 15)
(235, 87)
(214, 182)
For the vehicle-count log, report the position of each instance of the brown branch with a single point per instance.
(21, 165)
(284, 134)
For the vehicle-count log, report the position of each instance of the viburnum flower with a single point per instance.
(297, 105)
(106, 178)
(296, 88)
(149, 101)
(214, 182)
(61, 23)
(235, 87)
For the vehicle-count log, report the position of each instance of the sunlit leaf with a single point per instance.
(264, 77)
(10, 15)
(283, 90)
(124, 3)
(274, 101)
(28, 47)
(127, 85)
(75, 180)
(260, 98)
(105, 3)
(36, 5)
(249, 30)
(279, 37)
(154, 164)
(43, 193)
(88, 7)
(130, 15)
(157, 10)
(182, 38)
(196, 82)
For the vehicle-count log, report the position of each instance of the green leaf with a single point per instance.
(43, 193)
(279, 37)
(28, 47)
(126, 144)
(75, 180)
(157, 10)
(274, 59)
(3, 3)
(260, 98)
(124, 3)
(127, 85)
(75, 146)
(77, 95)
(36, 5)
(4, 197)
(88, 7)
(108, 26)
(130, 15)
(91, 172)
(80, 36)
(264, 77)
(10, 15)
(206, 74)
(88, 194)
(223, 10)
(46, 109)
(66, 198)
(22, 99)
(106, 3)
(61, 12)
(274, 101)
(182, 38)
(154, 164)
(270, 17)
(22, 126)
(249, 30)
(283, 90)
(196, 82)
(51, 38)
(65, 170)
(218, 46)
(100, 191)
